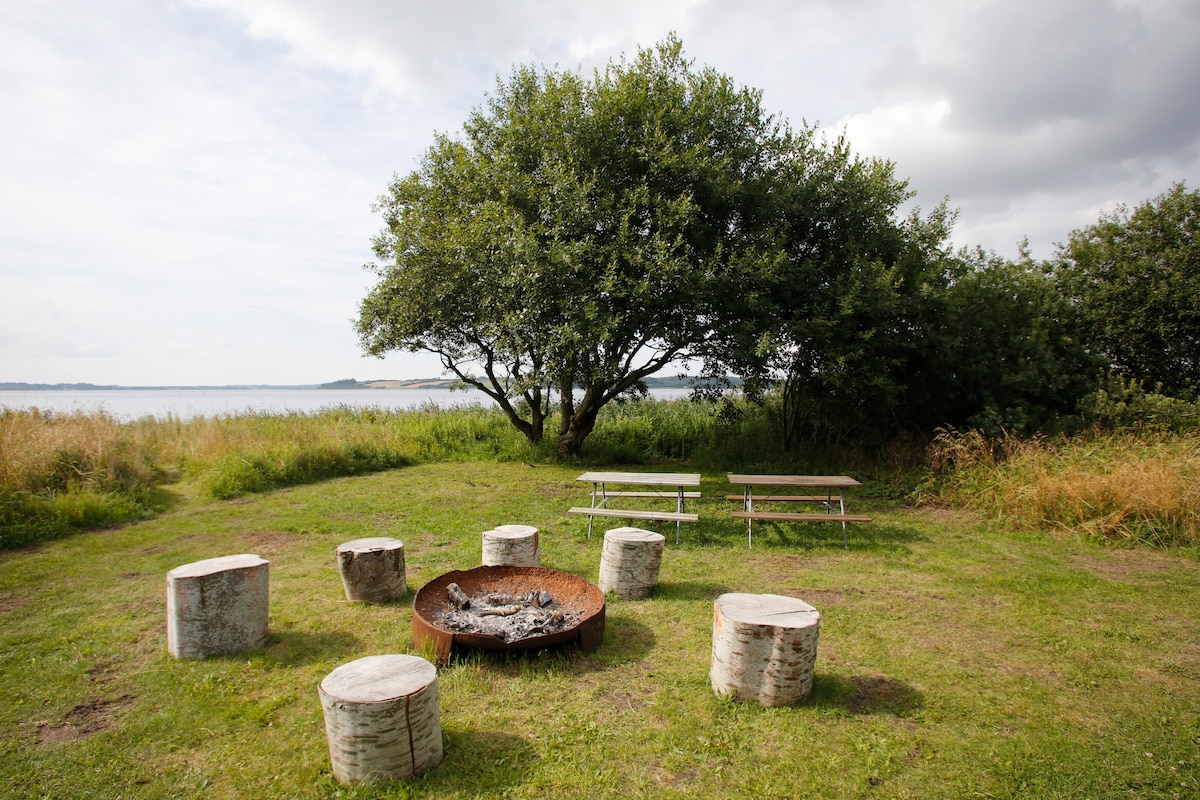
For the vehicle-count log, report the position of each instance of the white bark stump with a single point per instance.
(630, 561)
(217, 607)
(382, 718)
(372, 569)
(764, 647)
(511, 545)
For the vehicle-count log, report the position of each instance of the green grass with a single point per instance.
(957, 658)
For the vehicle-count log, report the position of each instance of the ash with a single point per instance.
(509, 618)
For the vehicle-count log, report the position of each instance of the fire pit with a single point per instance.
(507, 608)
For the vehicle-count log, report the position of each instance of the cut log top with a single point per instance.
(511, 532)
(524, 530)
(379, 679)
(633, 535)
(212, 565)
(369, 544)
(773, 610)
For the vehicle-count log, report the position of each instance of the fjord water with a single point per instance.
(185, 404)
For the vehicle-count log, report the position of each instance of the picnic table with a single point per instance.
(827, 494)
(672, 486)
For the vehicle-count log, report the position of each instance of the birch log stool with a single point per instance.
(382, 718)
(764, 648)
(217, 607)
(630, 561)
(372, 569)
(512, 546)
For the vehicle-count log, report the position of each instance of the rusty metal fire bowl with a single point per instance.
(580, 604)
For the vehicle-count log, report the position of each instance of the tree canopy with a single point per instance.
(580, 235)
(1133, 279)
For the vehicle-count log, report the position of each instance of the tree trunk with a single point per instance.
(630, 561)
(764, 647)
(382, 718)
(577, 427)
(511, 545)
(372, 569)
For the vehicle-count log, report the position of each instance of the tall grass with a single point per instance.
(61, 472)
(1118, 487)
(65, 472)
(649, 430)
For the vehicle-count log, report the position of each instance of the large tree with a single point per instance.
(568, 244)
(839, 321)
(1134, 278)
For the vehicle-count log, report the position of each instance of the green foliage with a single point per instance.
(1008, 359)
(1134, 278)
(583, 234)
(1125, 406)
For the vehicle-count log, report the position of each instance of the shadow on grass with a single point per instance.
(862, 537)
(865, 694)
(293, 648)
(480, 763)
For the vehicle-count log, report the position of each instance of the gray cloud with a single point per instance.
(187, 186)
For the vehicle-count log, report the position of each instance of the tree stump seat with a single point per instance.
(630, 562)
(511, 546)
(764, 648)
(382, 718)
(218, 606)
(372, 569)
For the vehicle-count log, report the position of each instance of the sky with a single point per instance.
(186, 186)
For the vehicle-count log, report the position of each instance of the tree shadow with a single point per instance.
(865, 694)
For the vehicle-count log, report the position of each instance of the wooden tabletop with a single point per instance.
(833, 481)
(642, 478)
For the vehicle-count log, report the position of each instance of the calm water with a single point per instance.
(129, 404)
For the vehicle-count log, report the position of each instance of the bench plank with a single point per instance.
(665, 516)
(783, 517)
(665, 495)
(783, 498)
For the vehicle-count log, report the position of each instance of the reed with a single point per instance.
(64, 472)
(1118, 487)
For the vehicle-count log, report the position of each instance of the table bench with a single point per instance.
(832, 500)
(677, 482)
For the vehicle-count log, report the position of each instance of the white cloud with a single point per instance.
(187, 185)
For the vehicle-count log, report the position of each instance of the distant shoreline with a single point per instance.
(670, 381)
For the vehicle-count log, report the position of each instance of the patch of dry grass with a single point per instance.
(1117, 487)
(52, 452)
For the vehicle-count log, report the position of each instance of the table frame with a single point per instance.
(679, 482)
(831, 484)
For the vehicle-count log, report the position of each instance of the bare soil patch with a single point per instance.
(83, 720)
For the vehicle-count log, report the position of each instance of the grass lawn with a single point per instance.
(956, 659)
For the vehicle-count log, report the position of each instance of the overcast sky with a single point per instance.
(187, 186)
